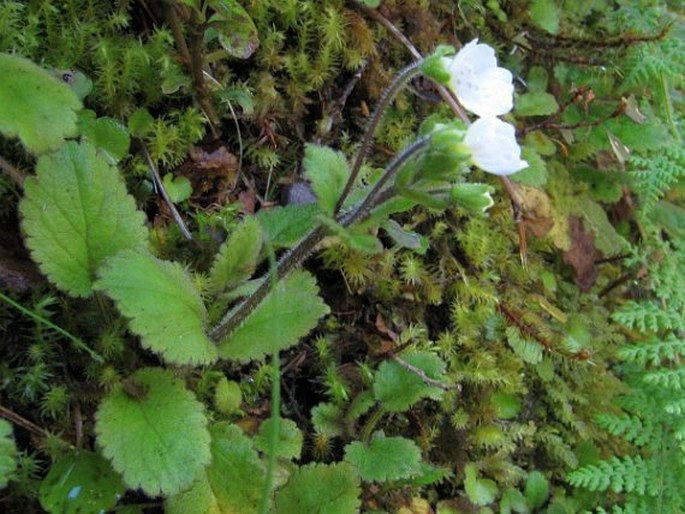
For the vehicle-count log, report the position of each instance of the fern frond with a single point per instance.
(630, 428)
(629, 474)
(654, 352)
(656, 172)
(672, 379)
(649, 317)
(647, 62)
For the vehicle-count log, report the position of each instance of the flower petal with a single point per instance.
(481, 86)
(477, 56)
(493, 146)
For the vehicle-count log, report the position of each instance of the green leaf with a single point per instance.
(178, 188)
(76, 213)
(164, 307)
(140, 123)
(320, 489)
(237, 257)
(507, 406)
(80, 482)
(233, 482)
(328, 172)
(199, 499)
(354, 237)
(545, 14)
(406, 238)
(536, 104)
(537, 80)
(529, 351)
(474, 198)
(607, 240)
(538, 141)
(398, 388)
(513, 501)
(669, 217)
(108, 135)
(289, 439)
(35, 106)
(77, 81)
(233, 28)
(288, 312)
(385, 458)
(428, 474)
(535, 175)
(285, 226)
(243, 97)
(160, 442)
(8, 453)
(227, 396)
(537, 489)
(480, 491)
(327, 419)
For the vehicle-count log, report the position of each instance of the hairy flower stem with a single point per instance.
(296, 255)
(370, 424)
(388, 95)
(193, 57)
(275, 431)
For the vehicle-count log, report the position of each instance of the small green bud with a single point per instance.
(475, 198)
(433, 66)
(227, 396)
(76, 80)
(446, 155)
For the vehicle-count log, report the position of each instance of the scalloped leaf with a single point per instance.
(545, 14)
(35, 106)
(8, 453)
(398, 388)
(76, 213)
(506, 405)
(238, 256)
(233, 482)
(80, 482)
(288, 312)
(327, 419)
(140, 123)
(536, 104)
(537, 489)
(159, 442)
(285, 226)
(320, 489)
(166, 310)
(179, 189)
(227, 396)
(480, 491)
(109, 136)
(328, 171)
(289, 439)
(385, 458)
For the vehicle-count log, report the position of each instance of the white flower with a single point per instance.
(481, 87)
(493, 146)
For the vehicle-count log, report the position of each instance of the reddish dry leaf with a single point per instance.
(248, 201)
(220, 161)
(582, 255)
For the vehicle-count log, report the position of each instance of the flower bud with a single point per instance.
(446, 155)
(475, 198)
